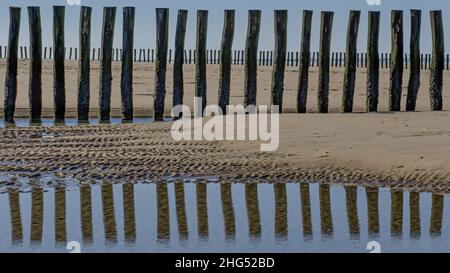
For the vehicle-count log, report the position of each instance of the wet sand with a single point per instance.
(407, 151)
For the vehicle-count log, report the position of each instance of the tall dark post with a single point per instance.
(109, 16)
(178, 83)
(35, 84)
(200, 57)
(303, 74)
(126, 85)
(437, 63)
(11, 64)
(225, 59)
(326, 25)
(279, 58)
(251, 56)
(162, 29)
(59, 82)
(84, 64)
(395, 86)
(414, 52)
(350, 61)
(373, 69)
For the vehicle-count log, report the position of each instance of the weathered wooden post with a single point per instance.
(162, 29)
(45, 52)
(303, 73)
(21, 52)
(251, 55)
(326, 26)
(414, 53)
(200, 58)
(84, 64)
(178, 83)
(11, 64)
(279, 58)
(225, 61)
(350, 61)
(373, 69)
(437, 63)
(109, 16)
(70, 53)
(126, 81)
(35, 84)
(59, 85)
(395, 86)
(93, 54)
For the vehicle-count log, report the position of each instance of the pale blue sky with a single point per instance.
(145, 20)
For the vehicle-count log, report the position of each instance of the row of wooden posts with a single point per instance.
(265, 58)
(250, 58)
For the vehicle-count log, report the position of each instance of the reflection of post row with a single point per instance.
(252, 210)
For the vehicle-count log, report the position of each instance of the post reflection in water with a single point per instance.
(373, 222)
(253, 215)
(16, 218)
(306, 210)
(86, 215)
(162, 199)
(202, 211)
(109, 219)
(396, 214)
(129, 218)
(437, 211)
(352, 211)
(180, 204)
(228, 211)
(326, 220)
(414, 214)
(281, 220)
(37, 217)
(60, 216)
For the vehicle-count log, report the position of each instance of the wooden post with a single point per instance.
(279, 58)
(350, 61)
(11, 64)
(93, 54)
(162, 29)
(84, 64)
(200, 57)
(373, 69)
(70, 53)
(251, 55)
(178, 83)
(225, 61)
(109, 16)
(326, 26)
(448, 61)
(35, 84)
(59, 86)
(437, 63)
(126, 81)
(332, 59)
(414, 49)
(303, 74)
(395, 86)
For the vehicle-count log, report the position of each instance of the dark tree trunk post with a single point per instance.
(437, 63)
(395, 86)
(126, 84)
(251, 55)
(59, 85)
(414, 53)
(303, 75)
(11, 64)
(279, 58)
(200, 57)
(178, 83)
(84, 64)
(326, 26)
(373, 67)
(350, 62)
(109, 16)
(162, 29)
(225, 62)
(35, 84)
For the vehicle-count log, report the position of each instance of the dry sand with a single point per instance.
(407, 151)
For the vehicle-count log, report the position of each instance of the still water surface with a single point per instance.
(214, 217)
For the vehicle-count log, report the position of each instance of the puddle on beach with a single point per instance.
(214, 217)
(23, 122)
